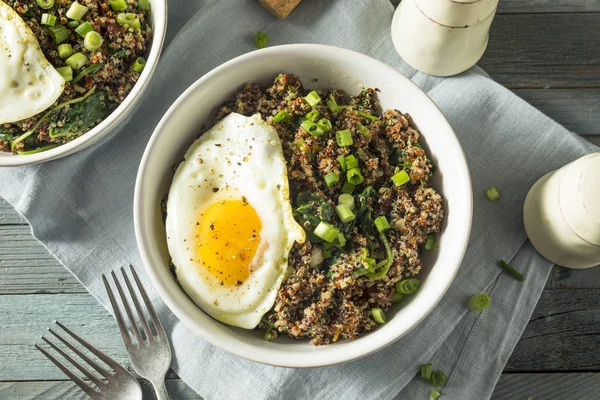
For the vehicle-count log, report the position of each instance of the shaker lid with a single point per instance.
(579, 191)
(457, 13)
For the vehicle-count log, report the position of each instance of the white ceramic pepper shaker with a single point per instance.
(442, 37)
(562, 214)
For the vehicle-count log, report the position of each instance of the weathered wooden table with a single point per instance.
(546, 51)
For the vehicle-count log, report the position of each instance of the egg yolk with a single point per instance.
(227, 237)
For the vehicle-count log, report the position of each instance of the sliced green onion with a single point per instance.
(426, 370)
(397, 297)
(347, 200)
(408, 286)
(438, 378)
(430, 242)
(331, 179)
(345, 213)
(144, 4)
(378, 315)
(261, 40)
(341, 240)
(368, 116)
(73, 24)
(385, 265)
(371, 263)
(324, 124)
(344, 138)
(354, 176)
(479, 302)
(326, 232)
(118, 5)
(342, 162)
(363, 130)
(76, 11)
(88, 71)
(65, 50)
(327, 253)
(48, 20)
(492, 194)
(348, 188)
(382, 224)
(59, 33)
(401, 178)
(313, 98)
(351, 161)
(282, 117)
(84, 28)
(129, 19)
(511, 270)
(139, 64)
(76, 61)
(312, 128)
(312, 115)
(434, 394)
(333, 106)
(66, 73)
(45, 4)
(93, 40)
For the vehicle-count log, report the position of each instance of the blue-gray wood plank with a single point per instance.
(546, 51)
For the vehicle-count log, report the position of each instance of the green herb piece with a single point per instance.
(118, 5)
(426, 370)
(511, 270)
(36, 150)
(92, 69)
(81, 116)
(48, 20)
(397, 298)
(65, 50)
(385, 265)
(93, 40)
(433, 394)
(76, 61)
(354, 176)
(438, 378)
(282, 116)
(312, 115)
(84, 28)
(45, 4)
(408, 286)
(59, 33)
(479, 302)
(312, 128)
(348, 188)
(342, 162)
(333, 106)
(76, 11)
(326, 232)
(344, 138)
(492, 194)
(368, 116)
(261, 40)
(129, 19)
(66, 72)
(73, 24)
(332, 179)
(400, 178)
(351, 161)
(139, 64)
(343, 211)
(144, 4)
(324, 124)
(378, 315)
(430, 244)
(382, 224)
(313, 98)
(347, 200)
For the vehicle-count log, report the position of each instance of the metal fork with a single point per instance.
(118, 385)
(150, 355)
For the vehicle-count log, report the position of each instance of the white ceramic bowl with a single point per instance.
(120, 114)
(333, 68)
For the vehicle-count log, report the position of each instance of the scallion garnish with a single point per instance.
(92, 69)
(93, 40)
(48, 20)
(378, 315)
(73, 24)
(408, 286)
(261, 40)
(84, 28)
(76, 11)
(434, 394)
(331, 179)
(312, 115)
(139, 64)
(397, 297)
(118, 5)
(382, 224)
(511, 270)
(368, 116)
(45, 4)
(65, 50)
(333, 106)
(346, 199)
(313, 98)
(282, 116)
(144, 4)
(354, 176)
(426, 370)
(492, 194)
(438, 378)
(326, 232)
(312, 128)
(129, 19)
(348, 188)
(400, 178)
(76, 61)
(324, 124)
(66, 73)
(351, 161)
(59, 33)
(343, 211)
(430, 242)
(344, 138)
(342, 162)
(479, 302)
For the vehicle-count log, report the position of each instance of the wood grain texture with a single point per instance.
(557, 386)
(8, 215)
(548, 6)
(544, 50)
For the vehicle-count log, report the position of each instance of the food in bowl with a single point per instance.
(359, 186)
(68, 65)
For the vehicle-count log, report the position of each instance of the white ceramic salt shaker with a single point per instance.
(442, 37)
(562, 214)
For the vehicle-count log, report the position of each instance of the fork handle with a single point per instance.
(161, 390)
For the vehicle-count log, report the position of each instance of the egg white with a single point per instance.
(29, 84)
(240, 156)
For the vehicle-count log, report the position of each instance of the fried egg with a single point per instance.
(229, 221)
(29, 84)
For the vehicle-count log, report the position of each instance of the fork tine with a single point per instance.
(134, 326)
(136, 303)
(118, 316)
(82, 355)
(74, 362)
(78, 381)
(160, 331)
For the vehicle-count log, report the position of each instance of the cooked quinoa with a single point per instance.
(333, 299)
(106, 85)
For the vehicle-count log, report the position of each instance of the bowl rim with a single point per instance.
(380, 337)
(104, 128)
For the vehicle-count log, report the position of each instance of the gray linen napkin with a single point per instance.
(80, 208)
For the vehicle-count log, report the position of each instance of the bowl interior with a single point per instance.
(120, 114)
(318, 67)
